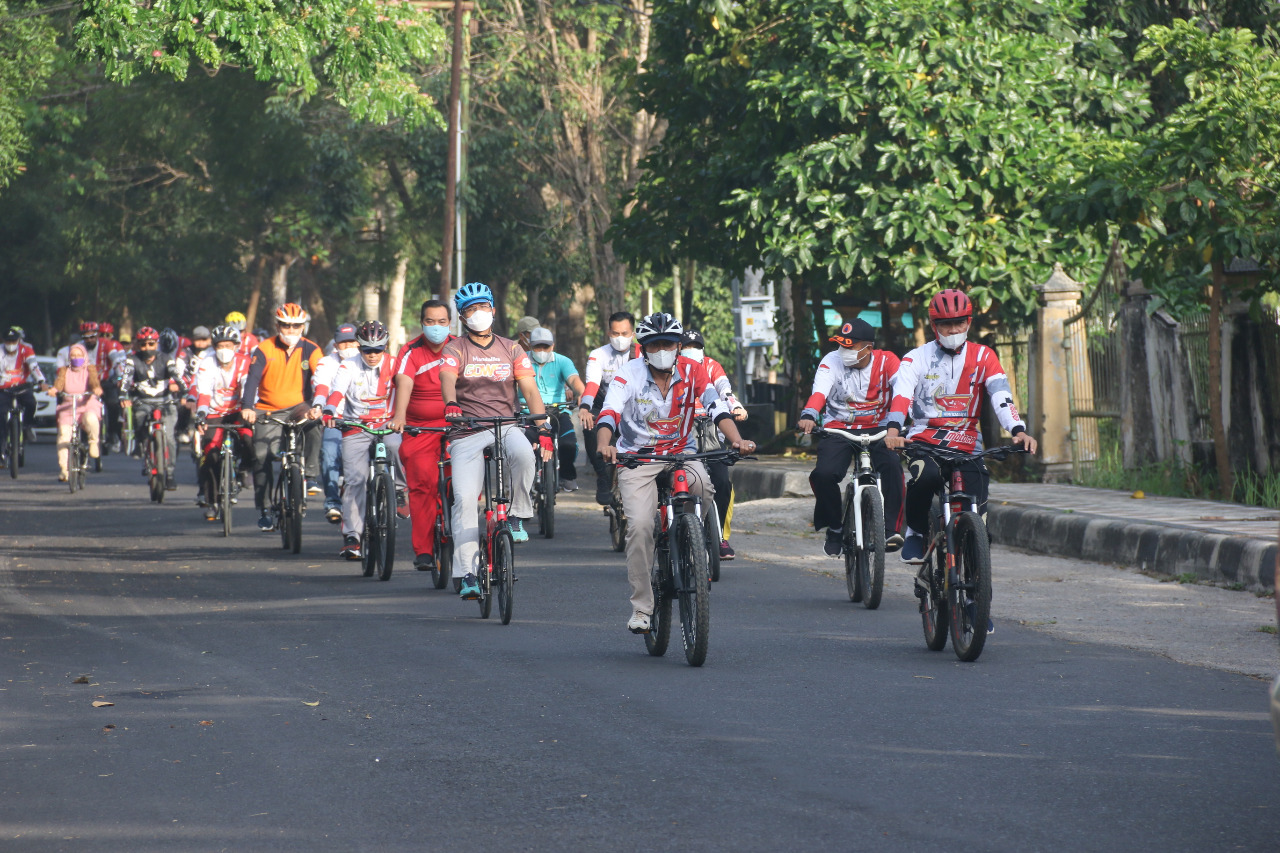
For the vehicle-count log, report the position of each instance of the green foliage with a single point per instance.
(886, 144)
(1201, 183)
(27, 47)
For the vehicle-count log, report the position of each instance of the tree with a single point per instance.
(27, 49)
(1198, 188)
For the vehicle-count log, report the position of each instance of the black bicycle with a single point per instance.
(78, 445)
(709, 439)
(15, 445)
(289, 491)
(954, 584)
(378, 541)
(442, 533)
(863, 514)
(679, 555)
(220, 471)
(158, 461)
(497, 572)
(546, 483)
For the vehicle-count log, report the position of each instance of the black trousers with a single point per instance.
(719, 474)
(834, 457)
(267, 441)
(924, 481)
(561, 424)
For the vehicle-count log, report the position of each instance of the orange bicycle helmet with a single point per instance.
(291, 312)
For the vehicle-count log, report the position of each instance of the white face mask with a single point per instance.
(953, 342)
(621, 343)
(224, 356)
(10, 348)
(480, 321)
(290, 340)
(663, 359)
(540, 357)
(693, 353)
(851, 356)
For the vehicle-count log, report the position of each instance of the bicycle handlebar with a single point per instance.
(865, 439)
(950, 454)
(466, 422)
(633, 460)
(338, 423)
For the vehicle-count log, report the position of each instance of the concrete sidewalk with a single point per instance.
(1219, 542)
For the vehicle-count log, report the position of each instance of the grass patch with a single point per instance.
(1268, 629)
(1174, 479)
(1187, 577)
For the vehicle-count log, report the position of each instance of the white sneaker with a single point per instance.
(639, 623)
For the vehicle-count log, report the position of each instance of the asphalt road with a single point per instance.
(267, 701)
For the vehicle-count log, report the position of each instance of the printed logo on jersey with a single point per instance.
(451, 361)
(663, 428)
(497, 372)
(953, 404)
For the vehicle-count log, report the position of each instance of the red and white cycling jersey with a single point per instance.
(643, 418)
(850, 397)
(602, 365)
(943, 394)
(364, 392)
(19, 366)
(217, 390)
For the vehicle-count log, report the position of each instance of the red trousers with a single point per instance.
(420, 456)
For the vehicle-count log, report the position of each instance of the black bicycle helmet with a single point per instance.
(659, 326)
(168, 340)
(372, 335)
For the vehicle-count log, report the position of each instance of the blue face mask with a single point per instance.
(435, 334)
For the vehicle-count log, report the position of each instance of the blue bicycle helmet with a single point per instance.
(470, 294)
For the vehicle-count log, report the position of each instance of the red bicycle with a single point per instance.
(442, 534)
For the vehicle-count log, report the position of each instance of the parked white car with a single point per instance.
(46, 406)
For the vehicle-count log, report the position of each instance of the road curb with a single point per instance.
(1165, 548)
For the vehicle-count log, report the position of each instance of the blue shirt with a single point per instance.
(552, 377)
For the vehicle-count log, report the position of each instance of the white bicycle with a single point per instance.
(863, 520)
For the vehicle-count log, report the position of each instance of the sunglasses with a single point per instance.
(149, 346)
(372, 350)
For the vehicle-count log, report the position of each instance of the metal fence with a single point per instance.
(1094, 368)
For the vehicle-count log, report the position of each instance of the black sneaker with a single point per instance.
(913, 550)
(834, 546)
(424, 562)
(350, 548)
(402, 504)
(265, 523)
(170, 484)
(726, 550)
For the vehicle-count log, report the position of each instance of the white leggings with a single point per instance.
(467, 457)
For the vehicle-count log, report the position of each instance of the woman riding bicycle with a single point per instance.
(852, 390)
(78, 379)
(219, 382)
(941, 385)
(651, 406)
(363, 387)
(554, 373)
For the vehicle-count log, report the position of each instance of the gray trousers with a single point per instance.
(639, 490)
(355, 472)
(467, 455)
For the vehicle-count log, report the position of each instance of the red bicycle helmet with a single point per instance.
(146, 333)
(107, 330)
(88, 327)
(949, 305)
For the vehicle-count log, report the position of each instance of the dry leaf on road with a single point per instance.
(100, 704)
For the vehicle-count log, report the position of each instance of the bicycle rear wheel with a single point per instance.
(226, 488)
(155, 464)
(713, 528)
(385, 523)
(852, 577)
(933, 607)
(871, 555)
(547, 508)
(692, 587)
(485, 578)
(294, 508)
(617, 528)
(659, 635)
(504, 575)
(15, 442)
(969, 597)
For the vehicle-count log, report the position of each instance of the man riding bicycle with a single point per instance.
(344, 347)
(364, 388)
(18, 367)
(941, 386)
(149, 382)
(554, 373)
(651, 407)
(852, 390)
(280, 379)
(478, 379)
(419, 403)
(219, 384)
(602, 365)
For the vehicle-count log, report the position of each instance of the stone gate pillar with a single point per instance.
(1049, 412)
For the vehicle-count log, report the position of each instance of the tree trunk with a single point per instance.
(1217, 421)
(280, 281)
(677, 296)
(255, 296)
(395, 302)
(801, 347)
(372, 303)
(320, 330)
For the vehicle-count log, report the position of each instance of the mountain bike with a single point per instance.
(78, 448)
(546, 484)
(288, 492)
(442, 534)
(709, 439)
(617, 518)
(497, 574)
(15, 446)
(863, 524)
(378, 541)
(679, 555)
(158, 460)
(220, 482)
(954, 584)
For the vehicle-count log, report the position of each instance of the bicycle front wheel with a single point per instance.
(852, 576)
(969, 597)
(714, 527)
(155, 463)
(384, 531)
(504, 575)
(485, 578)
(293, 507)
(226, 488)
(547, 511)
(660, 621)
(15, 442)
(871, 555)
(693, 587)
